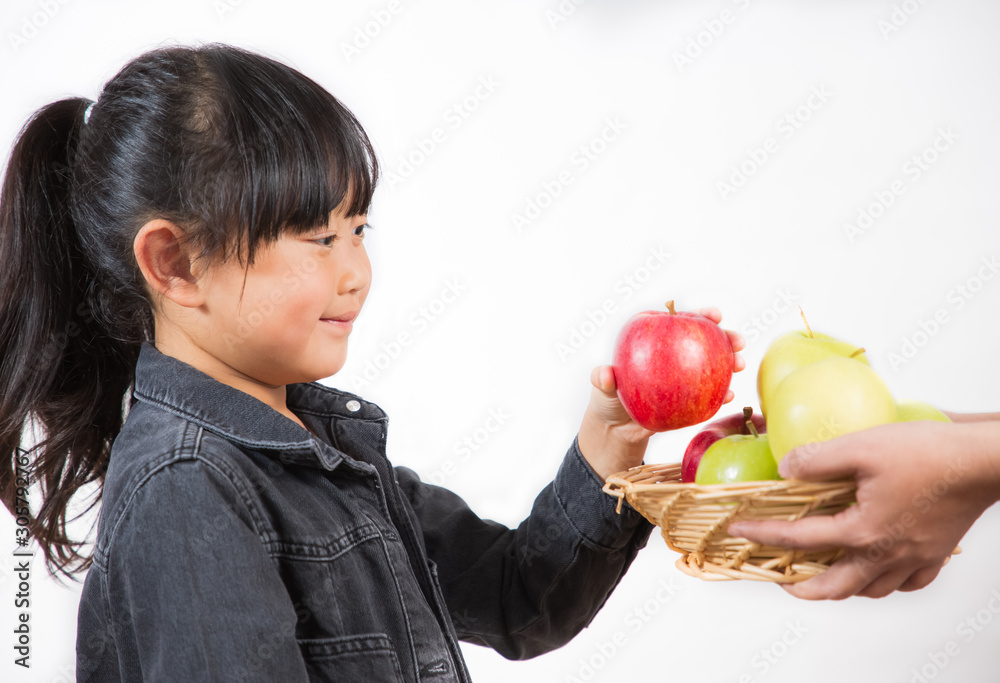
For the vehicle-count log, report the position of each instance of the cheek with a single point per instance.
(272, 311)
(301, 307)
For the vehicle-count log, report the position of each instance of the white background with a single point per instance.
(494, 347)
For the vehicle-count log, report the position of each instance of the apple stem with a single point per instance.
(748, 425)
(857, 353)
(809, 329)
(670, 307)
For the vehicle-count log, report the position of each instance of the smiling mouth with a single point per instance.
(343, 319)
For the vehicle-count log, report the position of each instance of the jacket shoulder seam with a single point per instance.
(188, 452)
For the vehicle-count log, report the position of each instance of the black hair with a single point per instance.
(233, 147)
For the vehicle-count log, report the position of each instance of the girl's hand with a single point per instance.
(921, 485)
(609, 439)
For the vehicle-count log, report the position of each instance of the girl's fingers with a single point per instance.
(711, 313)
(736, 339)
(738, 362)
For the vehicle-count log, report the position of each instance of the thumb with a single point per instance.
(822, 460)
(603, 379)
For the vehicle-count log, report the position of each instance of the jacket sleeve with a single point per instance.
(529, 590)
(190, 589)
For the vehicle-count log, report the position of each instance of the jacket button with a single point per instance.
(353, 406)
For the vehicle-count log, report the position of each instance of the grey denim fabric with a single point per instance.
(235, 545)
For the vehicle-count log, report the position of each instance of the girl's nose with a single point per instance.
(355, 270)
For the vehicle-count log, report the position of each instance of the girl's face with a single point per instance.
(289, 321)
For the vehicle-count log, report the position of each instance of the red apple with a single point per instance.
(672, 369)
(714, 431)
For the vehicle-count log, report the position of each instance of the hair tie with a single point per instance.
(86, 112)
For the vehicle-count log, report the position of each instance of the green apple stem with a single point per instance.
(857, 353)
(808, 329)
(670, 307)
(748, 425)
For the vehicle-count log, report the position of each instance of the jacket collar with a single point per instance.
(185, 391)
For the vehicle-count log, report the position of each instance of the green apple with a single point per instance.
(740, 457)
(825, 399)
(794, 350)
(909, 411)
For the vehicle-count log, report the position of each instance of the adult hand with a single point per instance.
(921, 485)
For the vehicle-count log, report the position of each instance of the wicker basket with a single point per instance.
(693, 520)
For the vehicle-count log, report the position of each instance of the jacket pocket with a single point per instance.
(364, 657)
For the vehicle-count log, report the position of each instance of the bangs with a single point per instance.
(291, 153)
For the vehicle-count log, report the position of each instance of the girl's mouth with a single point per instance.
(345, 321)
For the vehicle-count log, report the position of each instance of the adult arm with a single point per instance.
(972, 417)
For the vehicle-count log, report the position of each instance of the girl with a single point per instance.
(183, 259)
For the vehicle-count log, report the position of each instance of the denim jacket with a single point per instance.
(234, 545)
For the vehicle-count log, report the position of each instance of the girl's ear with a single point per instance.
(167, 264)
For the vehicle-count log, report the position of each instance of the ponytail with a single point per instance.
(62, 377)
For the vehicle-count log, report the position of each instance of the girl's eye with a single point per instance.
(330, 239)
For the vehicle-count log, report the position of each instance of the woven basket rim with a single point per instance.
(619, 483)
(788, 498)
(692, 520)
